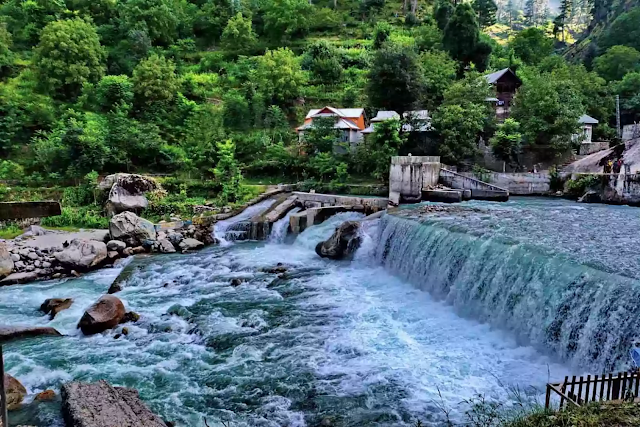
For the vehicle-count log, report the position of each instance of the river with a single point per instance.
(392, 337)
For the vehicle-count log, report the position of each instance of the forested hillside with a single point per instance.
(201, 87)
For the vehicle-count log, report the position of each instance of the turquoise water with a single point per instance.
(345, 342)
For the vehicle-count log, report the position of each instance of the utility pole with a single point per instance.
(618, 134)
(3, 396)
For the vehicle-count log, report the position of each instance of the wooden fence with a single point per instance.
(617, 388)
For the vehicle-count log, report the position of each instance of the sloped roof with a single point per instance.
(381, 116)
(588, 120)
(494, 77)
(417, 115)
(341, 123)
(341, 112)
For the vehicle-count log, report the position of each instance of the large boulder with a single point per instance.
(190, 244)
(127, 192)
(104, 314)
(165, 246)
(53, 306)
(131, 229)
(343, 243)
(15, 392)
(6, 263)
(102, 405)
(82, 254)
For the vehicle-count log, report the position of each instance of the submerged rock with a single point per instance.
(14, 332)
(102, 405)
(15, 392)
(46, 395)
(106, 313)
(6, 262)
(82, 254)
(344, 241)
(131, 229)
(54, 306)
(130, 316)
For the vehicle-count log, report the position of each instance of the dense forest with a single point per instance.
(214, 88)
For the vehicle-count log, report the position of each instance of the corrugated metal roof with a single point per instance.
(381, 116)
(342, 112)
(493, 77)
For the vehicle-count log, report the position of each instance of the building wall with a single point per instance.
(408, 175)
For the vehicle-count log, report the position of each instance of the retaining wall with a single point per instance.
(479, 189)
(20, 210)
(408, 175)
(519, 184)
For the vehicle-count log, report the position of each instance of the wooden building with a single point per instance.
(506, 83)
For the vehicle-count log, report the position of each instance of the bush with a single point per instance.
(79, 217)
(577, 187)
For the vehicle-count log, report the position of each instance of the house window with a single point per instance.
(344, 137)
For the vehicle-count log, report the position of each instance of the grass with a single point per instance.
(627, 415)
(10, 231)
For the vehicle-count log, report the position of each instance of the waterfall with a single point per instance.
(280, 228)
(581, 314)
(238, 227)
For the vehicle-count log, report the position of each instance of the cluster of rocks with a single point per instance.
(30, 263)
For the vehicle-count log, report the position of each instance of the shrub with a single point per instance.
(80, 217)
(577, 187)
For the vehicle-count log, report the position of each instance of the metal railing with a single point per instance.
(618, 388)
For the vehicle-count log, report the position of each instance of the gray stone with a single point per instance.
(30, 267)
(102, 405)
(116, 245)
(165, 246)
(175, 238)
(34, 230)
(46, 264)
(37, 263)
(33, 256)
(24, 252)
(15, 257)
(131, 229)
(19, 265)
(82, 254)
(6, 262)
(112, 254)
(190, 244)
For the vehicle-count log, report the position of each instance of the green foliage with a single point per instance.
(112, 91)
(10, 170)
(442, 12)
(154, 79)
(577, 187)
(6, 55)
(439, 72)
(286, 18)
(374, 155)
(10, 231)
(486, 10)
(616, 62)
(68, 56)
(506, 142)
(160, 19)
(395, 79)
(323, 60)
(227, 172)
(381, 34)
(80, 217)
(625, 30)
(532, 45)
(629, 91)
(238, 35)
(556, 183)
(279, 77)
(462, 38)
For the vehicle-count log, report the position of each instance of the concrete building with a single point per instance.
(350, 122)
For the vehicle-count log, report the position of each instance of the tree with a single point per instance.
(279, 77)
(211, 19)
(459, 127)
(6, 56)
(227, 172)
(373, 156)
(486, 10)
(322, 136)
(112, 91)
(461, 35)
(565, 13)
(238, 36)
(160, 19)
(395, 79)
(442, 12)
(381, 34)
(68, 56)
(322, 59)
(629, 91)
(624, 30)
(617, 62)
(532, 45)
(548, 110)
(154, 79)
(286, 18)
(506, 142)
(439, 72)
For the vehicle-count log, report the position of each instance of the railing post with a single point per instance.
(547, 400)
(3, 395)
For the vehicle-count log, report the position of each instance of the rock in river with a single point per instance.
(190, 244)
(106, 313)
(53, 306)
(82, 254)
(13, 332)
(131, 229)
(15, 392)
(6, 263)
(102, 405)
(344, 241)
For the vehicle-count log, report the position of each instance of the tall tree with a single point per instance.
(564, 15)
(154, 79)
(532, 45)
(395, 79)
(69, 55)
(238, 36)
(486, 10)
(462, 38)
(442, 12)
(617, 62)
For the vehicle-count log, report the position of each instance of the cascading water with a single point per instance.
(235, 228)
(280, 228)
(547, 272)
(345, 342)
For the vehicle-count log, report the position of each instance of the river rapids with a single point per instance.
(431, 312)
